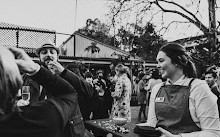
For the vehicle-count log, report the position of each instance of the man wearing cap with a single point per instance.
(47, 53)
(48, 57)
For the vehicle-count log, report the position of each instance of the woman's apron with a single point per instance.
(172, 109)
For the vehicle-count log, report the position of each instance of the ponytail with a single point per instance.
(190, 70)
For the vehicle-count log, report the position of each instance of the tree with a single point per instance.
(93, 49)
(138, 40)
(141, 41)
(190, 12)
(149, 42)
(99, 31)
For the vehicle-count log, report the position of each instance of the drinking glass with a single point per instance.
(25, 93)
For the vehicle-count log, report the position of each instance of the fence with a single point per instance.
(28, 38)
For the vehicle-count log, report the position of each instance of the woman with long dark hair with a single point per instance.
(182, 106)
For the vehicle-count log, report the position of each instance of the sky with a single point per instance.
(63, 16)
(161, 19)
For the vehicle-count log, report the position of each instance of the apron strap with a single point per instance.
(190, 82)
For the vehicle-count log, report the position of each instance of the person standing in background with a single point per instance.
(89, 78)
(110, 87)
(102, 102)
(142, 93)
(100, 76)
(122, 94)
(155, 79)
(210, 78)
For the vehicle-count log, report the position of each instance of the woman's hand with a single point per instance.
(166, 133)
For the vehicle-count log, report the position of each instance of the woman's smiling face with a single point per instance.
(166, 67)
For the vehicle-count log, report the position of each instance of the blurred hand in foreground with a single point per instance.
(23, 61)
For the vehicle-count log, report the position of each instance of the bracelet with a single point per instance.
(35, 72)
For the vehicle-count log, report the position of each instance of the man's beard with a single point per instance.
(46, 62)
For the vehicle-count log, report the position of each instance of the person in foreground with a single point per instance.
(46, 118)
(182, 106)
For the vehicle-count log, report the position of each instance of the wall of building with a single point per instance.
(76, 45)
(105, 52)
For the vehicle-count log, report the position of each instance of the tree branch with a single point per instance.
(166, 28)
(195, 20)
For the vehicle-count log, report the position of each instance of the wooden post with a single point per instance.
(212, 24)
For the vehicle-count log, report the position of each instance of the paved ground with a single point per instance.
(134, 114)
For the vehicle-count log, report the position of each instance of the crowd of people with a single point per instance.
(62, 98)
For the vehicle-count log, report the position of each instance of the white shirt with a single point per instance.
(152, 82)
(202, 105)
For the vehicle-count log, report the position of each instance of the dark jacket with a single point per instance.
(34, 88)
(46, 118)
(84, 90)
(75, 126)
(101, 108)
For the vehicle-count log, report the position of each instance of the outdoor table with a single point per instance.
(102, 125)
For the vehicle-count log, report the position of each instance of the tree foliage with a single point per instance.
(190, 12)
(197, 17)
(139, 40)
(142, 41)
(98, 31)
(92, 48)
